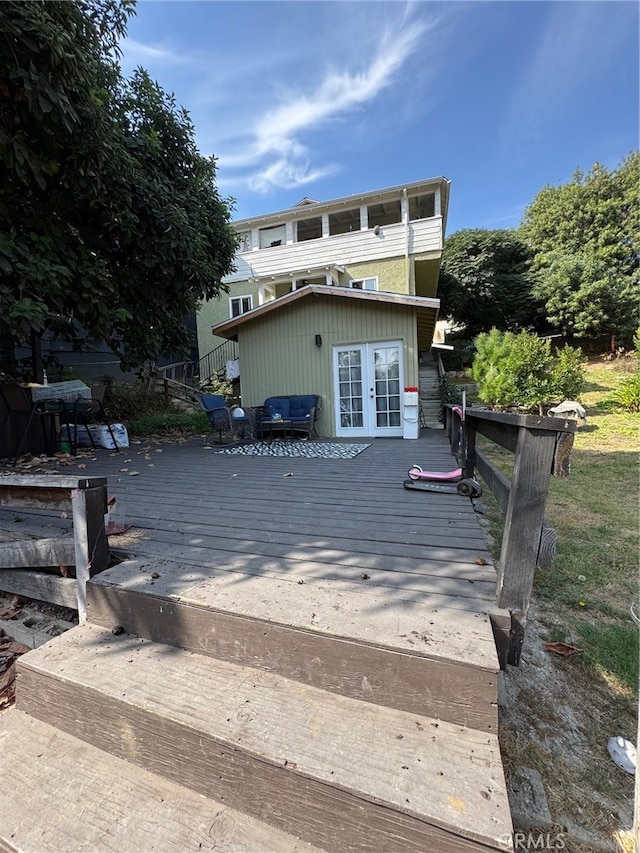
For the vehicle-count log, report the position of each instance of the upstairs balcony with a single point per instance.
(289, 257)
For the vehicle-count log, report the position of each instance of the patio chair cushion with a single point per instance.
(301, 406)
(277, 405)
(212, 401)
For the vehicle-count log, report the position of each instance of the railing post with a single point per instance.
(523, 521)
(470, 462)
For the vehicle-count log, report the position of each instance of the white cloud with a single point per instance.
(134, 53)
(287, 175)
(273, 153)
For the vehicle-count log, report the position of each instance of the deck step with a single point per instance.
(384, 646)
(340, 773)
(71, 796)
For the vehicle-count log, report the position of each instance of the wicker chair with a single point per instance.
(221, 419)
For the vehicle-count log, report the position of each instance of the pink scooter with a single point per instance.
(449, 482)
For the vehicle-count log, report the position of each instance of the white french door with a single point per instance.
(367, 381)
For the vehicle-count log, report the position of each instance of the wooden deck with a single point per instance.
(328, 575)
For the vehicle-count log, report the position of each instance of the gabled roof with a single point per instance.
(426, 307)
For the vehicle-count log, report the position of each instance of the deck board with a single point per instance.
(87, 800)
(347, 523)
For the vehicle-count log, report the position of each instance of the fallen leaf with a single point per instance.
(562, 649)
(82, 465)
(64, 571)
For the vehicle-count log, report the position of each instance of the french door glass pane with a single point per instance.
(350, 378)
(387, 386)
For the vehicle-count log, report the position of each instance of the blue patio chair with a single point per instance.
(220, 416)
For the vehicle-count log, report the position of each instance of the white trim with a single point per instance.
(233, 299)
(369, 426)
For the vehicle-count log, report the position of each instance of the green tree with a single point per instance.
(109, 217)
(522, 370)
(485, 281)
(585, 236)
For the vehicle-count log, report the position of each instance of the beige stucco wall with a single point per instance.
(391, 273)
(278, 354)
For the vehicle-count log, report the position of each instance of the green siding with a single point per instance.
(278, 354)
(217, 311)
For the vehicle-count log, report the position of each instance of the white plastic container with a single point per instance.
(102, 438)
(410, 415)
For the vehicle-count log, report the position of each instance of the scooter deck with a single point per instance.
(426, 486)
(468, 488)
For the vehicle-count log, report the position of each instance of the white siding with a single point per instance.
(425, 235)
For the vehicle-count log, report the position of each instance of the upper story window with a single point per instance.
(364, 283)
(309, 229)
(344, 222)
(384, 214)
(240, 305)
(276, 235)
(422, 206)
(245, 241)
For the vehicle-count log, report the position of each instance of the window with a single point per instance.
(364, 283)
(240, 305)
(344, 222)
(422, 206)
(274, 236)
(384, 214)
(245, 241)
(309, 229)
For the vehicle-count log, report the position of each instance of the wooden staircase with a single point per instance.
(212, 719)
(429, 390)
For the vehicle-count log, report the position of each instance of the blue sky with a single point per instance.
(326, 99)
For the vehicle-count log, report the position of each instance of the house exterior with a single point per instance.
(339, 299)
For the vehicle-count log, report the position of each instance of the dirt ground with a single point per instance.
(557, 719)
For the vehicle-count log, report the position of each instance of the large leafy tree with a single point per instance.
(585, 236)
(110, 218)
(485, 281)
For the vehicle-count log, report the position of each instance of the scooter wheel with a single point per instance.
(469, 488)
(414, 472)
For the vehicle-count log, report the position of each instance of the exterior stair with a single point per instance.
(161, 724)
(429, 391)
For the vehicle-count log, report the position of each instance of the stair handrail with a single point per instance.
(216, 360)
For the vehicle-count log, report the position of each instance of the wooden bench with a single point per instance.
(86, 498)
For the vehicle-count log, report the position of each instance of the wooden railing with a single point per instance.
(542, 449)
(86, 499)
